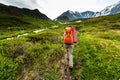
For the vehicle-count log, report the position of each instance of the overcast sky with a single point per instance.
(53, 8)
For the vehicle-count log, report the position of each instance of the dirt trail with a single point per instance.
(63, 65)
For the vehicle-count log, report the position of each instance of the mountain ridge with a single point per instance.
(20, 12)
(70, 15)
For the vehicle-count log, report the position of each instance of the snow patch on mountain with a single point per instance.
(112, 9)
(75, 15)
(70, 15)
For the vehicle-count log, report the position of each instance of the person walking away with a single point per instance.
(69, 38)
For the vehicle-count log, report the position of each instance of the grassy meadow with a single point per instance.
(96, 54)
(11, 26)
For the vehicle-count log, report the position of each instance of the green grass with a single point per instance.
(99, 48)
(12, 25)
(45, 51)
(100, 58)
(96, 54)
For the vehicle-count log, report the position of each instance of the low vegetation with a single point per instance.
(11, 26)
(96, 54)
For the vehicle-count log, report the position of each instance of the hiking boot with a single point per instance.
(76, 78)
(71, 69)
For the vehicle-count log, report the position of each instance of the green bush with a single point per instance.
(8, 68)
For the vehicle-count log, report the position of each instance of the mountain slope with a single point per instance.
(96, 52)
(112, 9)
(21, 12)
(11, 16)
(70, 15)
(15, 21)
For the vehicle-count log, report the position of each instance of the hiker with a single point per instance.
(69, 38)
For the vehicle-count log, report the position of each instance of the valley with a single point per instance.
(31, 47)
(96, 54)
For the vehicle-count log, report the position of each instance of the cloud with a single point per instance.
(53, 8)
(56, 7)
(32, 4)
